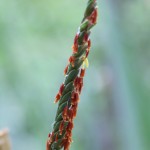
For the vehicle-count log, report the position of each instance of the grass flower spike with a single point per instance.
(68, 95)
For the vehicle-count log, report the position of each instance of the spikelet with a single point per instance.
(68, 94)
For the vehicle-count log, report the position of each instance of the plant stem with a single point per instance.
(68, 95)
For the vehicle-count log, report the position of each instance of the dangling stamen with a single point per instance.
(66, 70)
(72, 60)
(57, 98)
(82, 73)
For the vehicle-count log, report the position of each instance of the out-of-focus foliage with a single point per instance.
(35, 43)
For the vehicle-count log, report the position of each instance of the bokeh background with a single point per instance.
(35, 43)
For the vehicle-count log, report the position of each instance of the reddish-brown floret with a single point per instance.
(86, 36)
(66, 70)
(57, 98)
(49, 135)
(76, 39)
(74, 98)
(66, 145)
(76, 81)
(69, 136)
(49, 141)
(61, 89)
(75, 45)
(61, 127)
(65, 113)
(75, 48)
(72, 60)
(74, 108)
(93, 17)
(70, 113)
(89, 44)
(81, 80)
(70, 126)
(87, 53)
(82, 73)
(56, 138)
(80, 87)
(47, 145)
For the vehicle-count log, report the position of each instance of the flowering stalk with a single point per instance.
(68, 95)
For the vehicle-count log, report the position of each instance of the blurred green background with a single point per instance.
(35, 43)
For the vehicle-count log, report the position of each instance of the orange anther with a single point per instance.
(61, 127)
(57, 98)
(66, 70)
(61, 89)
(72, 60)
(82, 73)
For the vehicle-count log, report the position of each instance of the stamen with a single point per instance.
(61, 89)
(82, 73)
(70, 126)
(74, 98)
(57, 98)
(75, 48)
(61, 127)
(93, 17)
(72, 60)
(56, 138)
(66, 70)
(65, 113)
(86, 36)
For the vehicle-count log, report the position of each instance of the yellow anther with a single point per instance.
(85, 63)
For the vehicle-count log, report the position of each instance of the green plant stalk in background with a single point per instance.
(68, 95)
